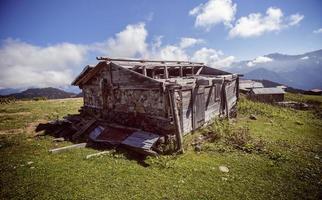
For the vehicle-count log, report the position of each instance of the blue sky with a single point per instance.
(214, 31)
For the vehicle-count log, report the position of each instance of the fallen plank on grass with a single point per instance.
(60, 139)
(97, 154)
(57, 150)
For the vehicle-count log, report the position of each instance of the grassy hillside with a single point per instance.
(277, 156)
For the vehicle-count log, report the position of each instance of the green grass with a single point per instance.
(288, 166)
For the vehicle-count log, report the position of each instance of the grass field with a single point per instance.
(277, 156)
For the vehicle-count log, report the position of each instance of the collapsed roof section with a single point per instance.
(165, 72)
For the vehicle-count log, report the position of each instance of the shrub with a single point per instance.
(241, 139)
(39, 98)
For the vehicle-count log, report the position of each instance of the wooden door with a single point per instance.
(199, 107)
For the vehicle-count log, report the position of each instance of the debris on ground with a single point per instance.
(57, 150)
(223, 169)
(299, 123)
(97, 154)
(60, 139)
(294, 104)
(253, 117)
(198, 148)
(29, 163)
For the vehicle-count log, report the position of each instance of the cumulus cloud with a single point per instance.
(255, 24)
(259, 59)
(212, 57)
(131, 42)
(295, 19)
(25, 65)
(305, 58)
(214, 12)
(188, 42)
(173, 51)
(318, 31)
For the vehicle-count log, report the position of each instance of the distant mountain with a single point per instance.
(49, 93)
(302, 71)
(7, 91)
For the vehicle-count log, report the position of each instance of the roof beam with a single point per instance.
(147, 61)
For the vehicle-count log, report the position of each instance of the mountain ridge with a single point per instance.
(301, 71)
(48, 92)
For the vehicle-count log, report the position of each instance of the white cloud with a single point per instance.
(318, 31)
(171, 52)
(212, 58)
(174, 51)
(131, 42)
(214, 12)
(255, 24)
(259, 59)
(305, 58)
(188, 42)
(25, 65)
(295, 19)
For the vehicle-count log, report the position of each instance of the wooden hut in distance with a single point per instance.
(166, 98)
(267, 95)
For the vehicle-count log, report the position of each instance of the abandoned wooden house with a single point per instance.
(267, 95)
(162, 100)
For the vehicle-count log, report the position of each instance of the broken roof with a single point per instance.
(136, 66)
(248, 84)
(272, 90)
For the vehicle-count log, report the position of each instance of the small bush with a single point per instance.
(241, 139)
(39, 98)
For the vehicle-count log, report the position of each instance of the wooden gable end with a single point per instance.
(122, 76)
(212, 71)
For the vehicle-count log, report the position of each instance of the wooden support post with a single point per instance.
(166, 73)
(153, 73)
(144, 71)
(237, 87)
(192, 70)
(181, 71)
(177, 122)
(57, 150)
(226, 100)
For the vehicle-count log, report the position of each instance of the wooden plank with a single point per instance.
(97, 154)
(146, 61)
(181, 71)
(57, 150)
(166, 72)
(199, 70)
(84, 129)
(144, 71)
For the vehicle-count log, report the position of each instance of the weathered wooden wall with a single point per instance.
(231, 93)
(267, 98)
(186, 111)
(212, 105)
(124, 98)
(213, 101)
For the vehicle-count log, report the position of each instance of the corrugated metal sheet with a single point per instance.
(272, 90)
(141, 139)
